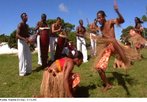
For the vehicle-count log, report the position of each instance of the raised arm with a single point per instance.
(120, 18)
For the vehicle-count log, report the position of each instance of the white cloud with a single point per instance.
(63, 8)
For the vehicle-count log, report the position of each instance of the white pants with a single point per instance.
(52, 47)
(25, 59)
(81, 46)
(93, 44)
(39, 50)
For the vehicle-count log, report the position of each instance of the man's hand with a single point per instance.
(120, 19)
(115, 6)
(27, 40)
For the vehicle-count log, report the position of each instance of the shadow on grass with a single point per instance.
(83, 91)
(38, 69)
(122, 79)
(144, 58)
(42, 67)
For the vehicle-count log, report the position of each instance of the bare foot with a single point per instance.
(108, 87)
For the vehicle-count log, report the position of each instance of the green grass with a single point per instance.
(134, 84)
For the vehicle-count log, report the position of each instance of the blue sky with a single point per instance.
(70, 10)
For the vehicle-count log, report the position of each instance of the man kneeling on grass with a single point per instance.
(58, 79)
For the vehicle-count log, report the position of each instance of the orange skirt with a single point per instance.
(74, 79)
(103, 62)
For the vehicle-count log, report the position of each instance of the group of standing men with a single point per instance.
(47, 36)
(53, 36)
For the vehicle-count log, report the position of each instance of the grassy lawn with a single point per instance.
(134, 84)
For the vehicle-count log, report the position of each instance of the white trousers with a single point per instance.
(93, 44)
(81, 46)
(52, 47)
(25, 59)
(39, 50)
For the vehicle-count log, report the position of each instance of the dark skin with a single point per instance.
(43, 21)
(56, 27)
(43, 31)
(80, 31)
(102, 74)
(93, 27)
(23, 30)
(107, 28)
(138, 27)
(67, 69)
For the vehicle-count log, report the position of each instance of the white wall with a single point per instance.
(4, 49)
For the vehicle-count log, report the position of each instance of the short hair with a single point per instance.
(78, 55)
(43, 15)
(95, 20)
(23, 14)
(80, 20)
(58, 18)
(102, 13)
(139, 20)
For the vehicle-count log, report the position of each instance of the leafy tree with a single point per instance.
(50, 21)
(144, 18)
(67, 26)
(125, 34)
(12, 42)
(145, 32)
(72, 36)
(4, 38)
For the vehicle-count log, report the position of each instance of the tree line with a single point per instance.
(12, 41)
(70, 28)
